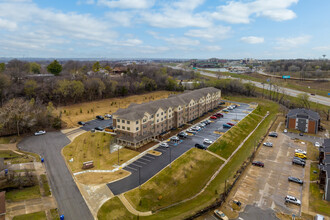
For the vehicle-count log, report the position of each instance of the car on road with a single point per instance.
(207, 141)
(174, 139)
(226, 126)
(191, 131)
(317, 144)
(108, 116)
(163, 144)
(292, 199)
(39, 133)
(258, 164)
(272, 134)
(295, 180)
(298, 162)
(300, 151)
(100, 117)
(301, 134)
(213, 117)
(201, 146)
(220, 215)
(268, 144)
(81, 123)
(182, 134)
(99, 128)
(231, 124)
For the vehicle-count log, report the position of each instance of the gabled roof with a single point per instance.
(310, 113)
(136, 111)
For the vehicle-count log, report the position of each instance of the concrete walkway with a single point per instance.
(130, 208)
(216, 155)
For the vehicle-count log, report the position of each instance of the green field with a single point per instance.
(113, 209)
(316, 203)
(45, 184)
(34, 216)
(314, 176)
(16, 195)
(95, 146)
(186, 177)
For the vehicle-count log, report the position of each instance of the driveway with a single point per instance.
(149, 165)
(306, 137)
(70, 201)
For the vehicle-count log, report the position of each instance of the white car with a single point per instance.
(268, 144)
(39, 133)
(317, 144)
(207, 141)
(300, 151)
(285, 131)
(164, 145)
(292, 199)
(108, 116)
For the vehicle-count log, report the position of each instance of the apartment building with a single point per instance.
(141, 123)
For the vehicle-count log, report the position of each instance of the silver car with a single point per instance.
(268, 144)
(293, 200)
(163, 144)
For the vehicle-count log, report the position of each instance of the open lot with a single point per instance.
(266, 187)
(71, 114)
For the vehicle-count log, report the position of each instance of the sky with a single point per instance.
(183, 29)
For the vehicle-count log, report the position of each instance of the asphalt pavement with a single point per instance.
(148, 166)
(306, 137)
(69, 199)
(255, 213)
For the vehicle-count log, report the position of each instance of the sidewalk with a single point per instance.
(130, 208)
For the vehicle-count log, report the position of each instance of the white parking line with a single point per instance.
(149, 157)
(132, 164)
(128, 167)
(144, 159)
(137, 161)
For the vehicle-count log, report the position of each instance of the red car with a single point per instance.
(213, 117)
(231, 124)
(219, 115)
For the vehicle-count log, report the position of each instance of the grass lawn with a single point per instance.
(15, 158)
(185, 178)
(113, 209)
(35, 216)
(94, 146)
(71, 114)
(312, 151)
(316, 203)
(16, 195)
(9, 139)
(45, 184)
(314, 176)
(99, 178)
(54, 214)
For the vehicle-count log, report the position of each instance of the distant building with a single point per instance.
(304, 120)
(324, 175)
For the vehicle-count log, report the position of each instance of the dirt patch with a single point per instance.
(154, 152)
(99, 178)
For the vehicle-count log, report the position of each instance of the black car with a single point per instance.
(298, 162)
(295, 179)
(81, 123)
(99, 128)
(298, 158)
(201, 146)
(182, 135)
(258, 163)
(301, 134)
(272, 134)
(100, 117)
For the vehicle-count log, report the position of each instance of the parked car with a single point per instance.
(301, 134)
(268, 144)
(174, 139)
(317, 144)
(231, 124)
(298, 158)
(219, 115)
(100, 117)
(182, 134)
(213, 117)
(202, 125)
(230, 108)
(302, 156)
(258, 164)
(81, 123)
(225, 110)
(39, 133)
(206, 122)
(285, 131)
(191, 131)
(201, 146)
(163, 144)
(300, 151)
(99, 128)
(108, 116)
(196, 128)
(207, 141)
(220, 215)
(221, 103)
(272, 134)
(235, 106)
(298, 162)
(293, 200)
(226, 126)
(295, 179)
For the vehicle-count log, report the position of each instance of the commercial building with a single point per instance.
(324, 158)
(304, 120)
(141, 123)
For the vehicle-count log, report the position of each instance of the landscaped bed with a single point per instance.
(95, 147)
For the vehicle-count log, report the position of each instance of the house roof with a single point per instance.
(136, 111)
(303, 111)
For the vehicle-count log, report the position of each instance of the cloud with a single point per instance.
(210, 34)
(87, 2)
(181, 41)
(213, 48)
(240, 12)
(122, 18)
(288, 43)
(322, 48)
(6, 24)
(253, 40)
(127, 4)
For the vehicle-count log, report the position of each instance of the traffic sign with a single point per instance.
(286, 77)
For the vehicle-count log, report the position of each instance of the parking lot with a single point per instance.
(267, 187)
(149, 165)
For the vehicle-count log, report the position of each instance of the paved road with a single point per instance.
(70, 201)
(312, 139)
(147, 166)
(253, 213)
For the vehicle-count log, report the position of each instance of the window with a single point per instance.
(118, 120)
(137, 122)
(157, 120)
(144, 120)
(128, 122)
(122, 121)
(128, 128)
(161, 119)
(162, 113)
(137, 128)
(123, 127)
(157, 115)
